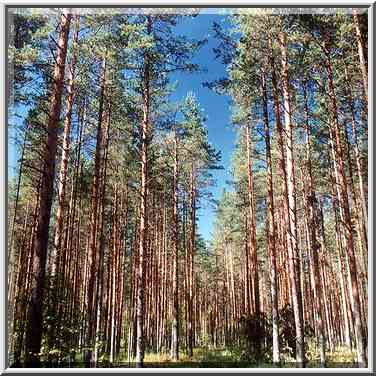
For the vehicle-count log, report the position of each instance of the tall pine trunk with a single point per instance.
(313, 225)
(359, 164)
(190, 262)
(93, 234)
(65, 155)
(175, 271)
(271, 226)
(62, 180)
(143, 232)
(361, 53)
(345, 209)
(34, 327)
(15, 259)
(252, 240)
(287, 168)
(291, 198)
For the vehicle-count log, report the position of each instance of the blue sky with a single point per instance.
(216, 107)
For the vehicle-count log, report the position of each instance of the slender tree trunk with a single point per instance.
(191, 251)
(312, 209)
(15, 265)
(100, 264)
(23, 277)
(361, 53)
(345, 211)
(175, 280)
(35, 315)
(252, 238)
(271, 227)
(92, 245)
(291, 193)
(287, 168)
(65, 154)
(62, 186)
(113, 263)
(359, 163)
(144, 139)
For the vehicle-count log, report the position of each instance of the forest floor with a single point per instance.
(231, 357)
(234, 358)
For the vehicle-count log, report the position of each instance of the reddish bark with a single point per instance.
(35, 321)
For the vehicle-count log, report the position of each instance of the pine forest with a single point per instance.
(187, 187)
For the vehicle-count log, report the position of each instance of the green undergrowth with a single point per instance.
(234, 357)
(230, 357)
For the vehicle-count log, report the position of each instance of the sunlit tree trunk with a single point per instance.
(359, 164)
(252, 220)
(143, 231)
(35, 314)
(175, 271)
(345, 210)
(101, 244)
(271, 226)
(361, 53)
(314, 224)
(14, 263)
(191, 252)
(287, 167)
(62, 181)
(93, 232)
